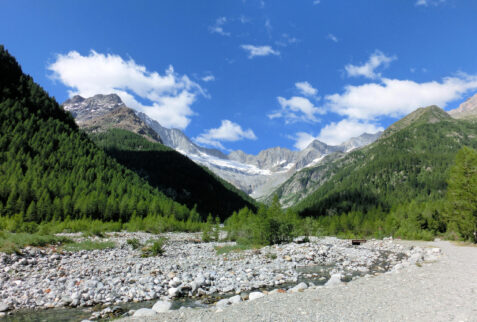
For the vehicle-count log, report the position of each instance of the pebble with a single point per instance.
(114, 276)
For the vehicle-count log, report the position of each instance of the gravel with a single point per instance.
(47, 278)
(440, 288)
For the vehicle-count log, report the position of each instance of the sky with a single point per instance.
(252, 74)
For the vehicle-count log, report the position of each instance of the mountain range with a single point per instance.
(257, 175)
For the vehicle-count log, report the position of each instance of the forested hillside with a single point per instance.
(50, 170)
(404, 174)
(173, 173)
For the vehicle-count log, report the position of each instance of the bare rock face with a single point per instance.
(103, 112)
(468, 109)
(84, 109)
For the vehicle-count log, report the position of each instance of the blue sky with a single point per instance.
(253, 74)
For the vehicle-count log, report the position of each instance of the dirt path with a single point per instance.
(442, 291)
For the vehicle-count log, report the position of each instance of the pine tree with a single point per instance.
(462, 194)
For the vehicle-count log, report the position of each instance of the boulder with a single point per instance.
(162, 306)
(144, 312)
(335, 279)
(255, 295)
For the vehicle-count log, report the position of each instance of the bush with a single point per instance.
(155, 248)
(134, 242)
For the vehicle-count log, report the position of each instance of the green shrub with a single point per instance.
(154, 247)
(134, 242)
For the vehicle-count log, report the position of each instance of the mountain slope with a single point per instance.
(468, 109)
(409, 162)
(49, 169)
(257, 175)
(173, 173)
(103, 112)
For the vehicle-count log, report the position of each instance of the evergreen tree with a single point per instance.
(462, 194)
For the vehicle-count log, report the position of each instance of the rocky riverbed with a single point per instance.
(42, 278)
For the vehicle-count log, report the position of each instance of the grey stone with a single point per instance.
(144, 312)
(162, 306)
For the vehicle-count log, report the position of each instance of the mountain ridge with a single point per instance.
(257, 175)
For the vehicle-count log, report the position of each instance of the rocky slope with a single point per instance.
(468, 109)
(103, 112)
(257, 175)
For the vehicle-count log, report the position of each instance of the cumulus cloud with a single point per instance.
(305, 88)
(296, 108)
(227, 131)
(218, 27)
(367, 70)
(259, 51)
(336, 133)
(395, 98)
(170, 94)
(332, 37)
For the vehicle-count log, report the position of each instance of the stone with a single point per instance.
(255, 295)
(235, 299)
(173, 292)
(162, 306)
(299, 288)
(4, 307)
(335, 279)
(144, 312)
(222, 303)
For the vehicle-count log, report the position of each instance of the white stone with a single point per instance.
(235, 299)
(255, 295)
(162, 306)
(144, 312)
(335, 279)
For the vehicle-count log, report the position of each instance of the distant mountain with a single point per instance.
(410, 161)
(468, 109)
(257, 175)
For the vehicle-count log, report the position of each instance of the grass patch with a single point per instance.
(234, 248)
(13, 242)
(134, 242)
(88, 245)
(154, 247)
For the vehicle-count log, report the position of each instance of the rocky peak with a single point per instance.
(92, 107)
(466, 110)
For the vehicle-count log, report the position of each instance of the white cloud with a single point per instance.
(302, 140)
(208, 78)
(268, 26)
(315, 2)
(296, 108)
(376, 60)
(336, 133)
(259, 51)
(170, 94)
(332, 37)
(228, 131)
(286, 40)
(306, 89)
(218, 27)
(427, 3)
(395, 98)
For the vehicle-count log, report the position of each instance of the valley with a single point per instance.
(238, 161)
